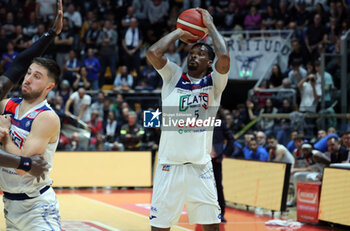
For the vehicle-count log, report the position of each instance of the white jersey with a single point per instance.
(10, 181)
(182, 95)
(287, 157)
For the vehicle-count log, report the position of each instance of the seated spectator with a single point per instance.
(283, 126)
(80, 102)
(276, 77)
(291, 145)
(336, 152)
(261, 138)
(345, 139)
(64, 91)
(111, 128)
(285, 92)
(131, 134)
(308, 166)
(124, 80)
(267, 124)
(298, 54)
(81, 80)
(95, 124)
(98, 104)
(93, 67)
(278, 152)
(256, 152)
(75, 144)
(98, 143)
(261, 96)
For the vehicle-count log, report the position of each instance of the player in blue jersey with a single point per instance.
(184, 175)
(35, 165)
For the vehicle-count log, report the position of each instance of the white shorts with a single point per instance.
(179, 185)
(37, 214)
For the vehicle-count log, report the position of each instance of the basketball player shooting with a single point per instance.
(35, 165)
(184, 174)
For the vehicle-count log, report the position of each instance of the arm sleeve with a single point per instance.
(219, 80)
(22, 61)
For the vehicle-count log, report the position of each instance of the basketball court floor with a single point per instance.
(128, 210)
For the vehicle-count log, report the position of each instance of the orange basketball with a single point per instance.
(191, 20)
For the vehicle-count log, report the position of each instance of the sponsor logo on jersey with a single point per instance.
(197, 100)
(151, 217)
(17, 139)
(166, 168)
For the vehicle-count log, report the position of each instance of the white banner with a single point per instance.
(252, 59)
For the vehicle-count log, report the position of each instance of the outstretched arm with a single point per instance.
(223, 63)
(21, 63)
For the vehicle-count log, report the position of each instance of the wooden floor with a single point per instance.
(128, 210)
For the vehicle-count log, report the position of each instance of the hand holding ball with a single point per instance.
(191, 21)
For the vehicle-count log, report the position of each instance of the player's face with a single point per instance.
(272, 143)
(35, 82)
(198, 59)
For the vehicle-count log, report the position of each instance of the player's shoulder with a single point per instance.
(48, 116)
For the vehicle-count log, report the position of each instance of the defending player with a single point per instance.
(35, 165)
(184, 173)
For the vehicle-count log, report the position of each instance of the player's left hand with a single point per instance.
(58, 24)
(206, 17)
(5, 121)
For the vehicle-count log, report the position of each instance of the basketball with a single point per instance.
(191, 20)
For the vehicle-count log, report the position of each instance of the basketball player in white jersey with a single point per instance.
(35, 165)
(33, 129)
(278, 152)
(184, 174)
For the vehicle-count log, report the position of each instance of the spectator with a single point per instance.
(321, 144)
(75, 143)
(346, 143)
(98, 105)
(187, 4)
(336, 152)
(93, 67)
(64, 91)
(261, 138)
(9, 25)
(291, 145)
(173, 55)
(310, 92)
(91, 36)
(8, 57)
(45, 9)
(308, 167)
(107, 40)
(131, 43)
(298, 54)
(149, 78)
(276, 77)
(253, 20)
(88, 20)
(314, 36)
(328, 83)
(131, 134)
(64, 43)
(282, 94)
(269, 18)
(95, 124)
(71, 67)
(278, 152)
(124, 80)
(111, 128)
(296, 74)
(256, 152)
(283, 126)
(157, 10)
(81, 80)
(267, 124)
(301, 14)
(98, 143)
(20, 42)
(231, 17)
(39, 33)
(140, 10)
(31, 28)
(74, 17)
(80, 101)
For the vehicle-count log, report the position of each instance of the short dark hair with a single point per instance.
(53, 69)
(211, 53)
(271, 136)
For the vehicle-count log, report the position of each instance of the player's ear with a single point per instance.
(51, 86)
(210, 63)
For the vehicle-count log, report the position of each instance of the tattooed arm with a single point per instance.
(223, 63)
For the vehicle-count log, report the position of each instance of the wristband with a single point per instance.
(25, 164)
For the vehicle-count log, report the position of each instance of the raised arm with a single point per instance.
(221, 50)
(21, 63)
(155, 53)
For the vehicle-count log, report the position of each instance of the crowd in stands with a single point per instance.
(101, 51)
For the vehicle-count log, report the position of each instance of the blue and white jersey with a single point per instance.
(10, 181)
(199, 97)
